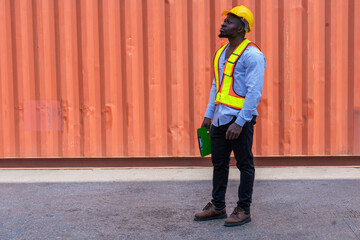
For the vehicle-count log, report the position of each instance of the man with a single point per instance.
(236, 90)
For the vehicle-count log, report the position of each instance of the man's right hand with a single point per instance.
(206, 123)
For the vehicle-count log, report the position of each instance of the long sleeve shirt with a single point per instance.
(248, 82)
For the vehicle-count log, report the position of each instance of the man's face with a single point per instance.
(231, 27)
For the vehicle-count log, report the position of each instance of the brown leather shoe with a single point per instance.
(209, 213)
(237, 218)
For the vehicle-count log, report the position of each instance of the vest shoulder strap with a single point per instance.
(234, 57)
(216, 65)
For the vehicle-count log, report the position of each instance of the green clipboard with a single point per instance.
(204, 141)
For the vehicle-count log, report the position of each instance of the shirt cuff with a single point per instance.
(209, 114)
(240, 121)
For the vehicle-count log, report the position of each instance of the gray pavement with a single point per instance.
(288, 203)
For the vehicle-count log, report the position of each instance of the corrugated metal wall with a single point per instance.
(132, 77)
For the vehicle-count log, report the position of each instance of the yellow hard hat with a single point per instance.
(244, 12)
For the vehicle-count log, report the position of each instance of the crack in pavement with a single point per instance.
(357, 237)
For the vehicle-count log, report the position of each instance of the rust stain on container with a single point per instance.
(125, 86)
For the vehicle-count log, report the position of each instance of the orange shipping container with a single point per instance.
(105, 78)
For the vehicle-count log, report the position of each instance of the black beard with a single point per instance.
(224, 35)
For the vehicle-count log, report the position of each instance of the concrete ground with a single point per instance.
(288, 203)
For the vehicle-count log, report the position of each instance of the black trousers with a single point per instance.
(220, 156)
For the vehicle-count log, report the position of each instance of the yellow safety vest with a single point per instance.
(225, 93)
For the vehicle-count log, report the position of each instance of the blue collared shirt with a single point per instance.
(248, 81)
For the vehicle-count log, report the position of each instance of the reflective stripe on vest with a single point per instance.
(225, 92)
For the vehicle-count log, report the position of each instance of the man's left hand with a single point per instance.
(233, 131)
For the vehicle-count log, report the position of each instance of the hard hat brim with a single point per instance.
(225, 12)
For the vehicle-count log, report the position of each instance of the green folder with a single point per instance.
(204, 141)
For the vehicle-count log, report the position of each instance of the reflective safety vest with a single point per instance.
(225, 93)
